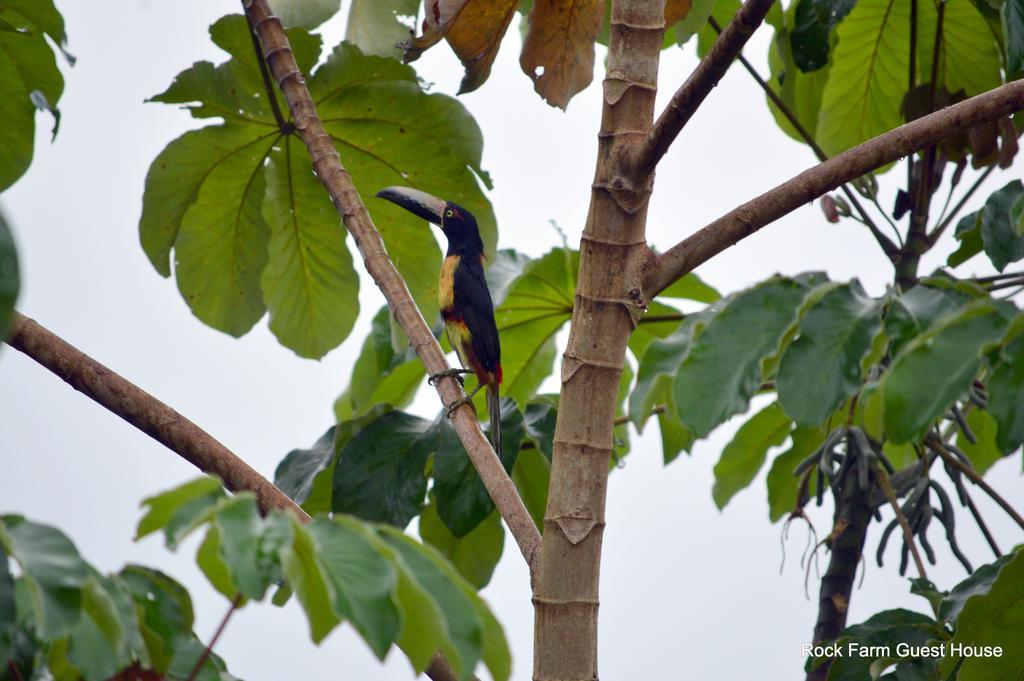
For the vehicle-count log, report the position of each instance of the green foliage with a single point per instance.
(306, 14)
(723, 368)
(1013, 36)
(462, 500)
(374, 28)
(745, 454)
(1002, 242)
(836, 334)
(813, 25)
(63, 614)
(863, 95)
(782, 484)
(475, 554)
(391, 589)
(886, 629)
(10, 278)
(251, 228)
(28, 70)
(937, 366)
(1005, 389)
(379, 471)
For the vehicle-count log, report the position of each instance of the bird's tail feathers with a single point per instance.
(494, 412)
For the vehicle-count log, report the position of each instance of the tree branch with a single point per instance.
(692, 93)
(145, 412)
(809, 185)
(350, 207)
(888, 247)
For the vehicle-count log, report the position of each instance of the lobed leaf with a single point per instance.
(935, 368)
(823, 367)
(743, 457)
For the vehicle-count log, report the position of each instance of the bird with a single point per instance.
(465, 300)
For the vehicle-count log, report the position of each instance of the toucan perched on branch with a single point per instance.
(465, 300)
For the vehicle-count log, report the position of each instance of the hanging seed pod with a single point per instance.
(961, 422)
(922, 533)
(885, 540)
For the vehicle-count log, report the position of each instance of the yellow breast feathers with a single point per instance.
(446, 284)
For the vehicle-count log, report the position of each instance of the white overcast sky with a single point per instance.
(684, 587)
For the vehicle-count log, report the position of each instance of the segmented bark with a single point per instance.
(850, 528)
(609, 301)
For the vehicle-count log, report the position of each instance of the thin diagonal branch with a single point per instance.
(888, 247)
(692, 93)
(809, 185)
(350, 208)
(939, 447)
(145, 412)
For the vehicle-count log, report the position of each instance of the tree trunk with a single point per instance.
(609, 301)
(849, 533)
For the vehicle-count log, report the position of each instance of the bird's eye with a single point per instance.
(449, 213)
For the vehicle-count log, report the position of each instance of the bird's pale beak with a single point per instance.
(416, 202)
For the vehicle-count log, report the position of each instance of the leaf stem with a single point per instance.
(235, 602)
(937, 232)
(268, 85)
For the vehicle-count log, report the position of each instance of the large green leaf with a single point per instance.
(743, 457)
(474, 555)
(53, 572)
(379, 474)
(814, 20)
(462, 500)
(969, 55)
(1005, 390)
(305, 13)
(221, 245)
(310, 287)
(723, 368)
(800, 92)
(968, 233)
(864, 94)
(10, 280)
(373, 25)
(164, 509)
(985, 451)
(998, 232)
(915, 311)
(309, 580)
(691, 287)
(978, 583)
(27, 65)
(659, 364)
(879, 635)
(95, 645)
(465, 628)
(361, 580)
(300, 467)
(936, 367)
(164, 611)
(782, 483)
(380, 375)
(539, 302)
(249, 544)
(389, 132)
(994, 618)
(1013, 35)
(250, 236)
(822, 367)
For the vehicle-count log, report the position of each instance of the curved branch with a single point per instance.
(350, 207)
(145, 412)
(705, 77)
(810, 184)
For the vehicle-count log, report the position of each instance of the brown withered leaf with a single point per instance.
(676, 10)
(476, 37)
(559, 50)
(438, 17)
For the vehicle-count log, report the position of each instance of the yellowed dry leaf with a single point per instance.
(559, 50)
(438, 18)
(476, 36)
(676, 10)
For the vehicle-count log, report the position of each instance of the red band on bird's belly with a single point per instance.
(497, 374)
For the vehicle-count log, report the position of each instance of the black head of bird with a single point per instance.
(457, 223)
